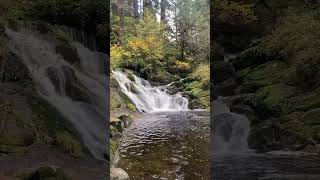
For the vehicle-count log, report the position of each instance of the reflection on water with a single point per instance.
(262, 166)
(167, 145)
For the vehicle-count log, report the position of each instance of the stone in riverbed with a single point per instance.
(118, 174)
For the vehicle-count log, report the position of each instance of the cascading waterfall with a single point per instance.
(149, 98)
(230, 130)
(55, 77)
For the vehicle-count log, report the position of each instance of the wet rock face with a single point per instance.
(68, 53)
(65, 81)
(118, 174)
(14, 69)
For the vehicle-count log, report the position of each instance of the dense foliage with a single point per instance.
(167, 49)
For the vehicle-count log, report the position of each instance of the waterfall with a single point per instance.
(57, 81)
(230, 130)
(149, 98)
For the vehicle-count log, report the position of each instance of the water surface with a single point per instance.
(167, 145)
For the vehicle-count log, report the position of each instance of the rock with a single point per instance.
(225, 88)
(221, 71)
(68, 53)
(312, 117)
(118, 174)
(48, 173)
(72, 87)
(269, 73)
(15, 70)
(272, 100)
(126, 119)
(245, 110)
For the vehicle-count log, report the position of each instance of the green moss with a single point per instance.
(59, 34)
(266, 74)
(113, 148)
(307, 100)
(273, 100)
(130, 76)
(12, 149)
(66, 141)
(131, 107)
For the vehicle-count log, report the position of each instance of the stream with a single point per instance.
(169, 141)
(231, 159)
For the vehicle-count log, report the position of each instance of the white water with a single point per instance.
(149, 98)
(230, 130)
(87, 118)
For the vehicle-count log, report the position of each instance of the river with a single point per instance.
(169, 141)
(232, 159)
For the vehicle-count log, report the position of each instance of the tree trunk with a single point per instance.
(136, 9)
(163, 10)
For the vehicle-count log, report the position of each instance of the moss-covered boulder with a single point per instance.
(69, 144)
(272, 100)
(263, 75)
(307, 100)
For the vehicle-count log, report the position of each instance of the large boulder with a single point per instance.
(264, 75)
(272, 100)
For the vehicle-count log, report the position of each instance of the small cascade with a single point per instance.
(77, 91)
(230, 130)
(149, 98)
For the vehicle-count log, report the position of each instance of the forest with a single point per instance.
(38, 140)
(163, 42)
(265, 53)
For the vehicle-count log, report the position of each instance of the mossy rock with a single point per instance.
(272, 100)
(290, 131)
(48, 173)
(12, 149)
(312, 117)
(130, 77)
(307, 100)
(73, 88)
(22, 141)
(126, 119)
(115, 101)
(68, 53)
(69, 144)
(113, 148)
(117, 125)
(264, 75)
(221, 71)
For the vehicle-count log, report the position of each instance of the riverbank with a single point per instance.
(272, 77)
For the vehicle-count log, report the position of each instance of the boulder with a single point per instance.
(68, 53)
(118, 174)
(272, 100)
(226, 88)
(221, 71)
(48, 173)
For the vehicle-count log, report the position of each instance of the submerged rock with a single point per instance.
(118, 174)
